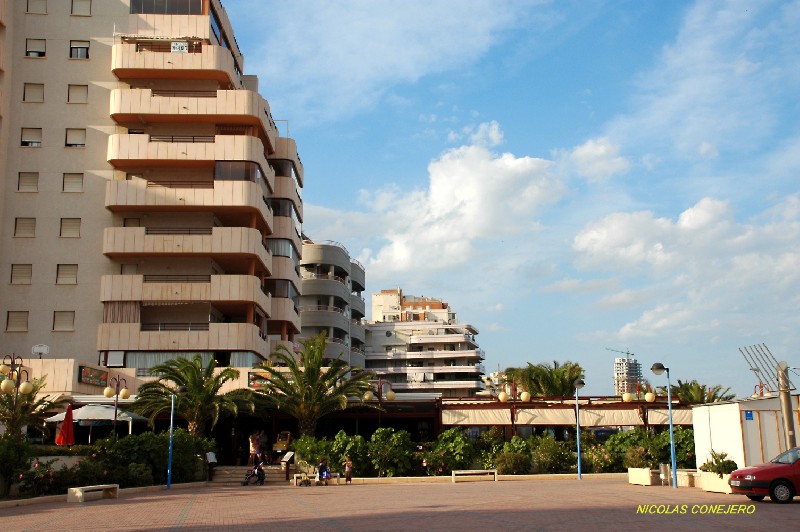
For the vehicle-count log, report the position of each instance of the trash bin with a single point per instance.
(665, 473)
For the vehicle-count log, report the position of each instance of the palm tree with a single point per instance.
(201, 401)
(28, 410)
(544, 380)
(309, 386)
(693, 393)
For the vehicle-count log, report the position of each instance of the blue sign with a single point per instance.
(748, 415)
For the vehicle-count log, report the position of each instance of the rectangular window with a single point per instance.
(31, 137)
(35, 47)
(79, 49)
(76, 138)
(33, 92)
(25, 227)
(167, 7)
(82, 7)
(17, 321)
(77, 93)
(72, 183)
(67, 274)
(70, 228)
(28, 182)
(64, 320)
(21, 273)
(38, 7)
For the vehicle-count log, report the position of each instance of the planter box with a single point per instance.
(688, 478)
(643, 476)
(712, 482)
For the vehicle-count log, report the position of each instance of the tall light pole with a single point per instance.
(116, 393)
(579, 383)
(181, 390)
(659, 368)
(11, 368)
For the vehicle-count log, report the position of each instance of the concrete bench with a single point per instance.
(474, 472)
(110, 491)
(313, 478)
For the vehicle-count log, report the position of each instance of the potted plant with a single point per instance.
(716, 471)
(639, 471)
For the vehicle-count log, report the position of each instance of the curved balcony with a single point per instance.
(217, 337)
(231, 107)
(125, 150)
(156, 61)
(228, 197)
(283, 310)
(286, 149)
(221, 243)
(436, 385)
(185, 288)
(323, 285)
(325, 316)
(285, 188)
(357, 331)
(284, 228)
(357, 276)
(327, 253)
(357, 306)
(283, 268)
(476, 354)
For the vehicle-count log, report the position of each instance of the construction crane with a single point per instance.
(626, 352)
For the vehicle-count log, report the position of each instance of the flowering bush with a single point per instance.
(599, 458)
(37, 480)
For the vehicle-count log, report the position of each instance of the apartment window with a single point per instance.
(77, 94)
(76, 138)
(79, 49)
(35, 47)
(17, 321)
(31, 137)
(70, 228)
(64, 320)
(25, 227)
(82, 7)
(38, 7)
(67, 274)
(167, 7)
(21, 273)
(72, 183)
(28, 182)
(33, 92)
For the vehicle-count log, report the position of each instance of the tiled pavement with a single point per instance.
(591, 504)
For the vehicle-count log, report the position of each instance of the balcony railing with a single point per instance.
(201, 139)
(166, 47)
(178, 230)
(321, 308)
(180, 184)
(177, 278)
(323, 276)
(159, 327)
(185, 94)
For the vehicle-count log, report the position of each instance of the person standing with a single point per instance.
(348, 470)
(255, 448)
(211, 458)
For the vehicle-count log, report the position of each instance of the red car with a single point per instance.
(780, 479)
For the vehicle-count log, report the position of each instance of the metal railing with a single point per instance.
(185, 94)
(201, 139)
(178, 230)
(180, 184)
(177, 278)
(160, 327)
(166, 47)
(321, 308)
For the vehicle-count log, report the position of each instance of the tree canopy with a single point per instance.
(201, 403)
(693, 393)
(545, 380)
(30, 409)
(308, 386)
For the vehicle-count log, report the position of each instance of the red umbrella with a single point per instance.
(66, 434)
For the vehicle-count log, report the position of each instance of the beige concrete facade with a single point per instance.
(148, 203)
(332, 300)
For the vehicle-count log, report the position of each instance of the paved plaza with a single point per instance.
(565, 504)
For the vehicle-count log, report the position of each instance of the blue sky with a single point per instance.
(570, 176)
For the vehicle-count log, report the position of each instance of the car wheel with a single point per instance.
(781, 492)
(756, 497)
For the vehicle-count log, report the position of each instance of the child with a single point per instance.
(323, 472)
(348, 470)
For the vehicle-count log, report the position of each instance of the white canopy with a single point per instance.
(97, 413)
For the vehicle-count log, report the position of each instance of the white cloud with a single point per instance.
(598, 160)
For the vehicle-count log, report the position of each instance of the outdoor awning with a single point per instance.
(590, 417)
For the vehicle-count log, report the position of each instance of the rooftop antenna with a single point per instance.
(764, 365)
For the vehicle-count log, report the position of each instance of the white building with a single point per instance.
(417, 345)
(627, 375)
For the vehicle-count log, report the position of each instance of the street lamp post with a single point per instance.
(579, 383)
(13, 384)
(117, 393)
(659, 368)
(181, 390)
(389, 395)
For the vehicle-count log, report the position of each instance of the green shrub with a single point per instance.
(488, 445)
(598, 458)
(14, 459)
(513, 463)
(551, 456)
(517, 445)
(38, 480)
(353, 446)
(139, 475)
(311, 449)
(637, 457)
(391, 452)
(720, 464)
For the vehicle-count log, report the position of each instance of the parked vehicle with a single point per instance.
(780, 478)
(281, 444)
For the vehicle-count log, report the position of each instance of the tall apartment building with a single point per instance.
(149, 206)
(417, 345)
(332, 299)
(627, 375)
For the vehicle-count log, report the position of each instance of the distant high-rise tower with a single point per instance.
(627, 375)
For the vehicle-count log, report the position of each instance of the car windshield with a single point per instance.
(789, 457)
